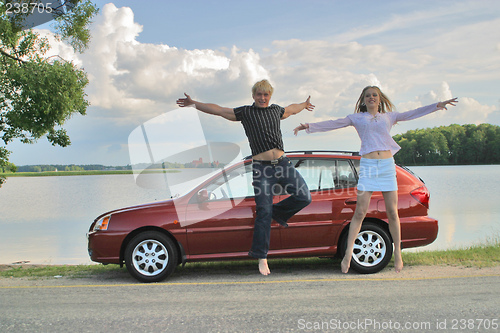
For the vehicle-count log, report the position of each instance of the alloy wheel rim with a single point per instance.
(369, 248)
(150, 257)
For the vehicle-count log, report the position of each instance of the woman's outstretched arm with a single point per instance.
(323, 126)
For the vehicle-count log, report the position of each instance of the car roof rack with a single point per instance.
(312, 152)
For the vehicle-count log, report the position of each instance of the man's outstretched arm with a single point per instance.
(209, 108)
(296, 108)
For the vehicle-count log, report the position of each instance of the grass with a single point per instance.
(42, 271)
(482, 255)
(479, 256)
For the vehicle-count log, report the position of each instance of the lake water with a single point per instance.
(44, 220)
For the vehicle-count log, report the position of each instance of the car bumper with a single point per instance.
(418, 231)
(104, 247)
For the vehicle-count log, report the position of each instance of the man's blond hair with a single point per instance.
(264, 86)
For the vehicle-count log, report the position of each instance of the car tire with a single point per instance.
(372, 249)
(151, 256)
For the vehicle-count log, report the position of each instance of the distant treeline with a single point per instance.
(71, 167)
(174, 165)
(454, 144)
(99, 167)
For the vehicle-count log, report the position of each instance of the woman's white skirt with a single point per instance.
(377, 175)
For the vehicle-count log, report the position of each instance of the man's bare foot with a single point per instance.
(263, 268)
(345, 264)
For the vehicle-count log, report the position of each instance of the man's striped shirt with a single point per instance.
(262, 126)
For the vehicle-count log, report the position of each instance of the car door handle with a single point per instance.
(351, 201)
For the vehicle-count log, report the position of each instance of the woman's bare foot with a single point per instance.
(345, 264)
(398, 263)
(263, 268)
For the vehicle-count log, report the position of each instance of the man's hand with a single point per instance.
(183, 102)
(296, 108)
(309, 106)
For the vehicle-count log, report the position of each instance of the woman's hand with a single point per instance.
(442, 105)
(300, 128)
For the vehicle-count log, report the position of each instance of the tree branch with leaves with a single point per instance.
(38, 94)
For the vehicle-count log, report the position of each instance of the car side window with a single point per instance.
(310, 170)
(356, 163)
(326, 174)
(234, 184)
(345, 175)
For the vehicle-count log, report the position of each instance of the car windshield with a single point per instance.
(186, 180)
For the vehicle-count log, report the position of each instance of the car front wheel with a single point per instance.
(372, 249)
(150, 257)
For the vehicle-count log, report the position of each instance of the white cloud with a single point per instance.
(58, 49)
(467, 111)
(442, 94)
(113, 28)
(137, 81)
(471, 111)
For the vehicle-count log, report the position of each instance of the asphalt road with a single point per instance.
(432, 299)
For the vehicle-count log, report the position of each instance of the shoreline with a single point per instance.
(81, 173)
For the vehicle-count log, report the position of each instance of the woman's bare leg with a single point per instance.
(391, 207)
(363, 202)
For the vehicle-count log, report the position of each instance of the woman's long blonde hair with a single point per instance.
(384, 106)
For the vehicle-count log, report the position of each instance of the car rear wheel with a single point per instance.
(372, 249)
(151, 257)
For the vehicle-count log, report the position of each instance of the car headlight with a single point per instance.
(102, 224)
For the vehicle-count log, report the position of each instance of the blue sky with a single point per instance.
(146, 54)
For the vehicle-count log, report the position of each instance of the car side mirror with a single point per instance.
(202, 195)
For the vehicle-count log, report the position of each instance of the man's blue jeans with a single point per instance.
(267, 179)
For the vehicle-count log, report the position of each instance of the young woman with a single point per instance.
(373, 119)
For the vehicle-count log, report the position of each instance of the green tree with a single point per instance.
(9, 167)
(491, 152)
(431, 147)
(38, 94)
(454, 144)
(407, 154)
(471, 155)
(455, 136)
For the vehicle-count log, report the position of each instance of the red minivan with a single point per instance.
(214, 221)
